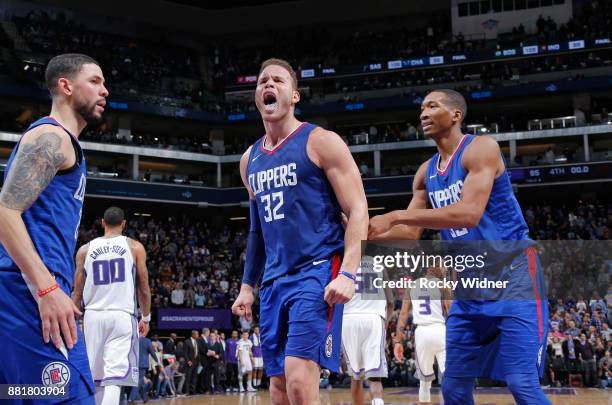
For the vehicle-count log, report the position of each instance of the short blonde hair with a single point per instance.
(284, 64)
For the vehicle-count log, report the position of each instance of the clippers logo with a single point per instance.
(328, 346)
(56, 374)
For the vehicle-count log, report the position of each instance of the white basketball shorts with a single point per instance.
(430, 344)
(363, 343)
(111, 338)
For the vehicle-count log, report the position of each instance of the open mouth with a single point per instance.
(426, 125)
(270, 102)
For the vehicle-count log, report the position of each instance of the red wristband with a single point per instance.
(42, 293)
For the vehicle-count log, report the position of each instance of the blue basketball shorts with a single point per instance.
(491, 339)
(25, 357)
(296, 321)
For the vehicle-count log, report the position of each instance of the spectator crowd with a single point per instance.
(164, 74)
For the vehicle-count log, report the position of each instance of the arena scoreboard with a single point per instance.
(564, 172)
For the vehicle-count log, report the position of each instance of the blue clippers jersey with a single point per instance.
(297, 207)
(502, 218)
(53, 220)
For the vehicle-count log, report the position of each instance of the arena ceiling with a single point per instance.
(216, 18)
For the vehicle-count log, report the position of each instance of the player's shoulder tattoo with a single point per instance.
(33, 168)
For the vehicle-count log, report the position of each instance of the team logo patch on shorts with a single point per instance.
(328, 345)
(56, 374)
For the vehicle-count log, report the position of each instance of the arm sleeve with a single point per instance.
(256, 253)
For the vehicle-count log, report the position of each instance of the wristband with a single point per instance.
(146, 319)
(42, 293)
(349, 275)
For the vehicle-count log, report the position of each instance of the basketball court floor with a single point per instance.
(405, 396)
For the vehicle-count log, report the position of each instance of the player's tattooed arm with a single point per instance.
(42, 152)
(36, 163)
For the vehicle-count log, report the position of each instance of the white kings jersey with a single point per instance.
(110, 276)
(426, 303)
(367, 299)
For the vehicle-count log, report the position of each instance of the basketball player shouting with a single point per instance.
(468, 186)
(299, 178)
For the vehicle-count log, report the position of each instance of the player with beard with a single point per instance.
(300, 178)
(40, 210)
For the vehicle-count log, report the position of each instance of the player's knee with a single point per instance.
(302, 378)
(375, 379)
(278, 391)
(278, 384)
(277, 397)
(298, 386)
(457, 391)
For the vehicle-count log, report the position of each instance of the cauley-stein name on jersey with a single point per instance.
(120, 250)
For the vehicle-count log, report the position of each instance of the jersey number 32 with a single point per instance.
(272, 203)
